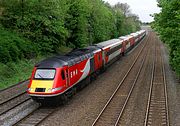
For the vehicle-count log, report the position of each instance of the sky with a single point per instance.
(142, 8)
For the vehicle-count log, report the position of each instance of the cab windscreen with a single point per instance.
(45, 74)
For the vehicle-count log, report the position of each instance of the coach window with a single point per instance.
(63, 74)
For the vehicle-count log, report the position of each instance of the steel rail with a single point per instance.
(18, 122)
(14, 85)
(9, 99)
(98, 117)
(151, 86)
(130, 92)
(46, 117)
(151, 90)
(166, 94)
(12, 107)
(27, 120)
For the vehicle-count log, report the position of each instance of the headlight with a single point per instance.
(56, 89)
(49, 90)
(30, 89)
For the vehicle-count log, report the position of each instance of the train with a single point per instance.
(57, 78)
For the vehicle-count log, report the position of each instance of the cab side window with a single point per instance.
(63, 74)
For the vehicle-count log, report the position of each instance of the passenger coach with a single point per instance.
(58, 77)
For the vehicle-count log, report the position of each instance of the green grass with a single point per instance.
(14, 72)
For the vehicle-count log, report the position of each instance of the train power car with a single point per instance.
(58, 77)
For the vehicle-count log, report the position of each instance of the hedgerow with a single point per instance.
(167, 24)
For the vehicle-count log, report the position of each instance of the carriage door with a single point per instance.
(65, 73)
(67, 77)
(104, 57)
(92, 65)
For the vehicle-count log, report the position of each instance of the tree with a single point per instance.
(167, 25)
(42, 22)
(124, 7)
(77, 23)
(129, 22)
(48, 24)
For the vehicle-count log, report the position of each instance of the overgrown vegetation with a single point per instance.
(167, 24)
(14, 48)
(14, 72)
(48, 24)
(29, 28)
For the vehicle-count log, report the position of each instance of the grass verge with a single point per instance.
(14, 72)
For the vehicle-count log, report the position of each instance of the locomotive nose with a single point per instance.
(43, 86)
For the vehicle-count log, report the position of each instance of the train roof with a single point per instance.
(140, 32)
(124, 38)
(93, 48)
(68, 59)
(129, 36)
(108, 43)
(134, 34)
(52, 62)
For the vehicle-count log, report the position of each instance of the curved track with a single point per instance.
(157, 104)
(14, 85)
(113, 109)
(157, 107)
(13, 92)
(13, 102)
(40, 114)
(36, 117)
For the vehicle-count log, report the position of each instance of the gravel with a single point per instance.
(134, 113)
(13, 91)
(14, 102)
(173, 89)
(84, 107)
(21, 111)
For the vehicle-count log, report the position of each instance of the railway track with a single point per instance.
(31, 119)
(15, 85)
(157, 107)
(13, 92)
(9, 103)
(13, 102)
(36, 117)
(142, 82)
(115, 106)
(106, 115)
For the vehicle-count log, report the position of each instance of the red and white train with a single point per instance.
(58, 77)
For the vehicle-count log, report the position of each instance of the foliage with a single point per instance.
(128, 22)
(29, 28)
(101, 22)
(77, 23)
(12, 73)
(48, 24)
(13, 47)
(167, 24)
(41, 21)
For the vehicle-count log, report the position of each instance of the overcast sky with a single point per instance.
(143, 8)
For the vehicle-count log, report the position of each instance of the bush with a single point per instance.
(168, 26)
(42, 22)
(50, 24)
(13, 48)
(14, 72)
